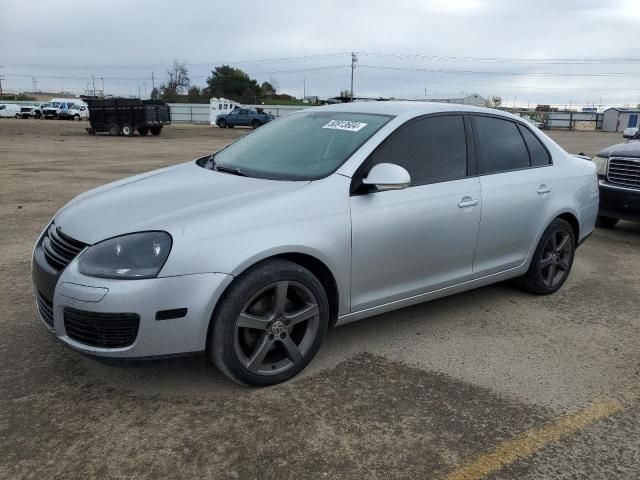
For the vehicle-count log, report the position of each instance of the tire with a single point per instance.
(127, 130)
(288, 313)
(255, 124)
(143, 131)
(38, 115)
(18, 116)
(552, 260)
(77, 118)
(155, 131)
(606, 222)
(222, 123)
(115, 130)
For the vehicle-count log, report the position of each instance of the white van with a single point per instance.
(55, 105)
(220, 106)
(9, 110)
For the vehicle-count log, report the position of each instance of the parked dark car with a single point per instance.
(619, 182)
(243, 117)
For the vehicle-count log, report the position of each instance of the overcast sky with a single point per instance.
(495, 47)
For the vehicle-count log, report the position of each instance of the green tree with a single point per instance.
(233, 83)
(267, 89)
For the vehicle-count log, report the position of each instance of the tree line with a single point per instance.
(224, 81)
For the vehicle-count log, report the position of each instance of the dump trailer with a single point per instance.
(123, 116)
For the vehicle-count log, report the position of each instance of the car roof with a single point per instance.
(409, 108)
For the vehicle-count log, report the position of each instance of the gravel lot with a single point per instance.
(417, 393)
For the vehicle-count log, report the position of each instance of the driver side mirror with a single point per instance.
(387, 176)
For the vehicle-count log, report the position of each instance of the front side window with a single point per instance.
(2, 107)
(501, 147)
(431, 149)
(300, 146)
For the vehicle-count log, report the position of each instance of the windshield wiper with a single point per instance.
(234, 171)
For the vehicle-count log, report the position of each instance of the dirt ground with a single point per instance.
(491, 383)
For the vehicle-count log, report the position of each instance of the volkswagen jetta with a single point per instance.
(317, 219)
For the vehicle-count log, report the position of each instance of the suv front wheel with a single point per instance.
(270, 324)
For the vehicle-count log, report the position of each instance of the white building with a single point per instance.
(618, 119)
(463, 99)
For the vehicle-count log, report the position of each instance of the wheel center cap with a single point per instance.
(277, 327)
(554, 258)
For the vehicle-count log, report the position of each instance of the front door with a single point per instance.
(422, 238)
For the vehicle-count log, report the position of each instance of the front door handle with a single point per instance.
(467, 202)
(542, 189)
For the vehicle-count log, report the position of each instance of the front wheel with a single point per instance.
(606, 222)
(552, 260)
(222, 123)
(17, 116)
(255, 124)
(270, 324)
(76, 117)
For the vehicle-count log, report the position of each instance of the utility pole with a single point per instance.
(102, 79)
(304, 87)
(153, 82)
(139, 91)
(1, 78)
(93, 84)
(354, 59)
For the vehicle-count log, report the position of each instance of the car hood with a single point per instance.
(164, 199)
(627, 149)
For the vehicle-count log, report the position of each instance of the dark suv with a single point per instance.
(619, 181)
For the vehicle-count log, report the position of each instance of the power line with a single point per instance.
(494, 73)
(472, 59)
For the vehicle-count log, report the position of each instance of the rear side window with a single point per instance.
(537, 152)
(501, 146)
(431, 149)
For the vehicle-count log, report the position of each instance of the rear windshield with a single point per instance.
(301, 146)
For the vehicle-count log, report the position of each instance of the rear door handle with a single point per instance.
(542, 189)
(467, 202)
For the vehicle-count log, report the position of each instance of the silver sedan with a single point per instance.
(317, 219)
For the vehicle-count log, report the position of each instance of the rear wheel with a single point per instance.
(552, 260)
(127, 130)
(143, 131)
(155, 131)
(17, 116)
(255, 124)
(606, 222)
(270, 324)
(76, 117)
(114, 130)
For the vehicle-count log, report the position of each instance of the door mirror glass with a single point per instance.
(387, 176)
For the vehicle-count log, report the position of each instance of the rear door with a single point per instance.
(411, 241)
(517, 189)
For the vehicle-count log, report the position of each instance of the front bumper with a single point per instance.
(69, 289)
(619, 202)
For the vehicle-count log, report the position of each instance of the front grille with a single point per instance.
(104, 330)
(45, 308)
(624, 171)
(59, 249)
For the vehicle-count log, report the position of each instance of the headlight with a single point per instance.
(601, 164)
(134, 256)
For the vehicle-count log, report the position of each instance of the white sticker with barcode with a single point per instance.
(347, 125)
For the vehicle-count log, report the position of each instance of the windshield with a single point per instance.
(301, 146)
(54, 104)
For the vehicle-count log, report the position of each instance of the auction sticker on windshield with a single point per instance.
(347, 125)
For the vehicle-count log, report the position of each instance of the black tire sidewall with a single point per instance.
(534, 273)
(221, 337)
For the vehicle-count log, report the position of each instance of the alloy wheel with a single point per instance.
(276, 328)
(556, 258)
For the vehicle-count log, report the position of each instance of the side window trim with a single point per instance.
(356, 181)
